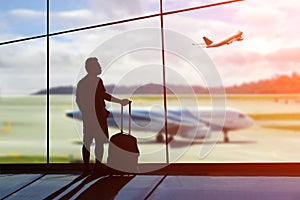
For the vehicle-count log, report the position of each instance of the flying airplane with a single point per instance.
(236, 36)
(181, 122)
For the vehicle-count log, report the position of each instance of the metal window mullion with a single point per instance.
(48, 85)
(164, 80)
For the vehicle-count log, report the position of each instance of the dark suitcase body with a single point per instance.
(123, 151)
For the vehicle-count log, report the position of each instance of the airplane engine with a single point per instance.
(199, 133)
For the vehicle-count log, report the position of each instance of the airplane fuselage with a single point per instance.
(237, 36)
(197, 123)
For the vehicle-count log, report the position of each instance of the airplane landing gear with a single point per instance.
(226, 138)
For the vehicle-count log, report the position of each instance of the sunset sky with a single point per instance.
(271, 44)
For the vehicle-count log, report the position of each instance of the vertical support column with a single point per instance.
(48, 85)
(164, 80)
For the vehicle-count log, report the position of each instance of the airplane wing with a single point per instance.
(235, 39)
(147, 118)
(183, 123)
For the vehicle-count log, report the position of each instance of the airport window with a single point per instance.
(142, 47)
(23, 114)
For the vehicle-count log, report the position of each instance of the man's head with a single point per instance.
(92, 66)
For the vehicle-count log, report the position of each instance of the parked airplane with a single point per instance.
(237, 36)
(181, 122)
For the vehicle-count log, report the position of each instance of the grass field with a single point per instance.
(23, 122)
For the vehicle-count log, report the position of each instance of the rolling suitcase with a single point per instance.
(123, 150)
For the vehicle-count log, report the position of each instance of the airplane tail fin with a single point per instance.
(207, 41)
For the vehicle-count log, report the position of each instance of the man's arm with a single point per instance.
(111, 98)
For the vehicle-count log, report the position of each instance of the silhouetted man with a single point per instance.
(90, 96)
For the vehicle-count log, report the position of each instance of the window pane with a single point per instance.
(258, 73)
(17, 15)
(72, 15)
(23, 114)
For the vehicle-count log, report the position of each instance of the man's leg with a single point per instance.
(87, 141)
(99, 169)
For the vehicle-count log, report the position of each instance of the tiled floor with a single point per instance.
(70, 186)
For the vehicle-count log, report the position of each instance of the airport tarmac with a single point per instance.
(255, 144)
(271, 139)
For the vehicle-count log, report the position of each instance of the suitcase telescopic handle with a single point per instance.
(129, 118)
